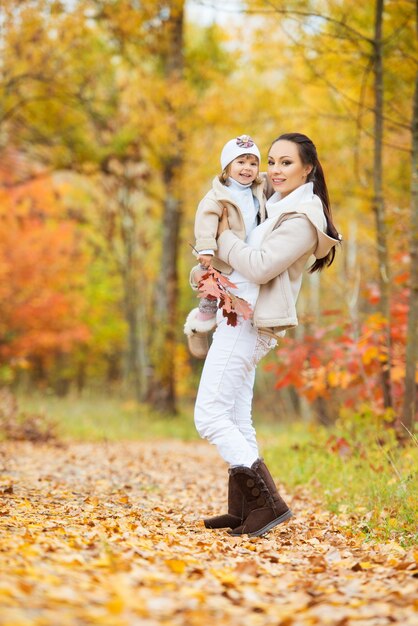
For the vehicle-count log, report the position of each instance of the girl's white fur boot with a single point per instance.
(197, 331)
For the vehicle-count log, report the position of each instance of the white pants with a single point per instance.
(224, 399)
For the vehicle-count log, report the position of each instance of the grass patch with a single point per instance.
(95, 418)
(357, 469)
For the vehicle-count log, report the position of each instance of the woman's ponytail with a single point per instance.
(309, 156)
(320, 189)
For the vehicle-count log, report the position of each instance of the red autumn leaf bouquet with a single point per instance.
(214, 286)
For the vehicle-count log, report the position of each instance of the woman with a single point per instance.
(268, 273)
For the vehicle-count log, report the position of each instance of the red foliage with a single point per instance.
(345, 360)
(339, 446)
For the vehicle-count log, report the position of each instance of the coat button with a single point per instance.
(250, 483)
(255, 491)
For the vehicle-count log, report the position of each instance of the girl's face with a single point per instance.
(244, 169)
(285, 168)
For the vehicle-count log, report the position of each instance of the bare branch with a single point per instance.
(289, 12)
(348, 101)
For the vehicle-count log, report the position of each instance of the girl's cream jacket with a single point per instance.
(210, 210)
(278, 265)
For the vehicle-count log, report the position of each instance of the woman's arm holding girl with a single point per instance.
(293, 239)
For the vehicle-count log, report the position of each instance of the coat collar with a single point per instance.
(303, 200)
(276, 205)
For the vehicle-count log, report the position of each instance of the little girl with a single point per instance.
(239, 189)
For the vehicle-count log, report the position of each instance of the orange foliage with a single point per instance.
(41, 271)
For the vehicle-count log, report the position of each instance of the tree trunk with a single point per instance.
(132, 368)
(410, 398)
(164, 391)
(378, 202)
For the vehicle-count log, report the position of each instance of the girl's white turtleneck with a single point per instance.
(247, 202)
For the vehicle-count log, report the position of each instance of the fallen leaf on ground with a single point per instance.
(77, 549)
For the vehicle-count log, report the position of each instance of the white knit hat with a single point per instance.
(237, 147)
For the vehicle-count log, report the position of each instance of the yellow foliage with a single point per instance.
(371, 353)
(339, 378)
(95, 91)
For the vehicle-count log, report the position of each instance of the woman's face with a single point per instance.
(285, 168)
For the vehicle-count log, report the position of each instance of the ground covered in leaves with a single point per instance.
(111, 534)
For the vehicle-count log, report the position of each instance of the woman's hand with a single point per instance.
(205, 260)
(223, 222)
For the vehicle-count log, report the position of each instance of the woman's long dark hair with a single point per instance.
(309, 156)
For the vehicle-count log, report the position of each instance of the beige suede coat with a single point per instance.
(210, 210)
(277, 266)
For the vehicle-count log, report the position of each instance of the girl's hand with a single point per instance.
(223, 222)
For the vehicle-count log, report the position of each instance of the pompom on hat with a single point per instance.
(237, 147)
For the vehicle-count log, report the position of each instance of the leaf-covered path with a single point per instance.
(111, 534)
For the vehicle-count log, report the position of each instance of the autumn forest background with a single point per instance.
(113, 114)
(112, 118)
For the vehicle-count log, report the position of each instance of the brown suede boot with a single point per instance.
(237, 510)
(266, 507)
(261, 468)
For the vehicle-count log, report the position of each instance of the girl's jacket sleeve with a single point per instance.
(293, 239)
(206, 224)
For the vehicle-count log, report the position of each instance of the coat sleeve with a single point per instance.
(206, 224)
(293, 239)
